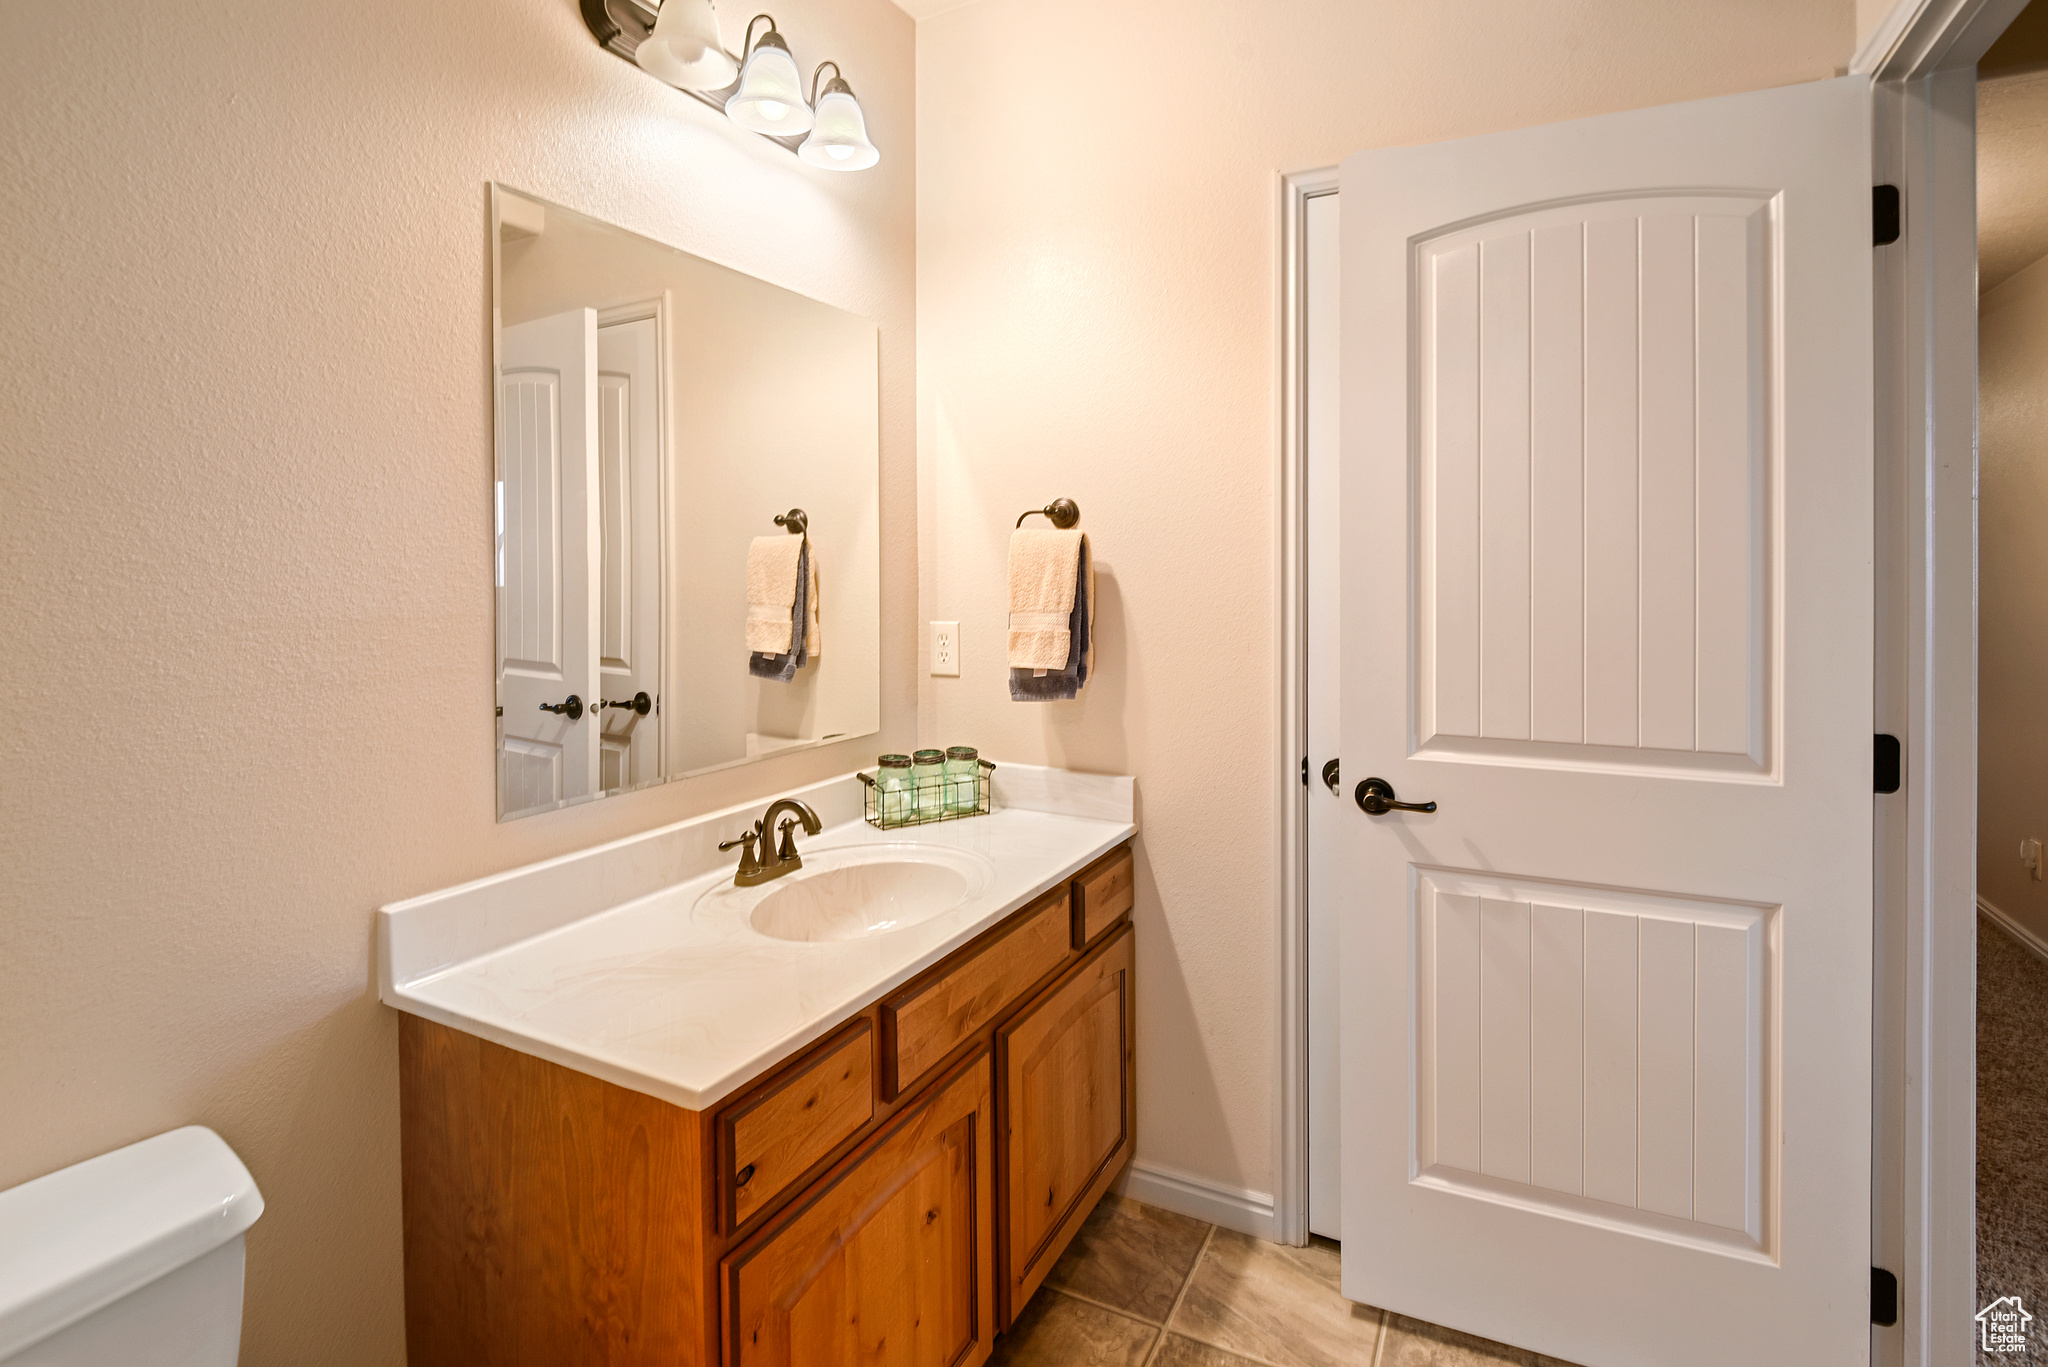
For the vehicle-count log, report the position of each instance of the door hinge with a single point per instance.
(1887, 764)
(1887, 214)
(1884, 1298)
(1304, 771)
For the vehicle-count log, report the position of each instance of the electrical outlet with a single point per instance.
(946, 648)
(2030, 857)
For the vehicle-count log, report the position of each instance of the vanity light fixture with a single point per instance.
(771, 95)
(684, 48)
(839, 137)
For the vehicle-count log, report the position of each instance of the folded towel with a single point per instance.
(782, 666)
(1044, 572)
(772, 569)
(1064, 681)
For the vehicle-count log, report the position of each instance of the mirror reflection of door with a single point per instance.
(629, 501)
(547, 437)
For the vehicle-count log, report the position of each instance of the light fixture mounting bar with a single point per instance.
(620, 26)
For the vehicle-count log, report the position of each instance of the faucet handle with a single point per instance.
(747, 861)
(786, 851)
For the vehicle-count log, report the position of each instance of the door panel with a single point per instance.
(629, 596)
(1580, 1042)
(1592, 470)
(547, 585)
(1606, 600)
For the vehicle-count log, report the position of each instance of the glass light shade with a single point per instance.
(685, 49)
(839, 138)
(771, 95)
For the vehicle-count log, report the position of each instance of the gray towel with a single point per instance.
(1061, 685)
(783, 668)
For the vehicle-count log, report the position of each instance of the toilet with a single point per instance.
(134, 1257)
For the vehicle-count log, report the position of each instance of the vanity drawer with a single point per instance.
(1102, 893)
(928, 1020)
(776, 1133)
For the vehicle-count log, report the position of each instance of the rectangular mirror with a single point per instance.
(657, 415)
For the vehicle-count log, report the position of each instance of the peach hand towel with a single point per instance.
(771, 592)
(1045, 568)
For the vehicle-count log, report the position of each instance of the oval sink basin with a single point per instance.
(852, 892)
(858, 900)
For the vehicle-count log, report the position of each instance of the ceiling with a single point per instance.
(2012, 174)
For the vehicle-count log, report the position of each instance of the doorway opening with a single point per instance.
(2012, 800)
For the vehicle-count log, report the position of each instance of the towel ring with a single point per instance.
(798, 522)
(1061, 512)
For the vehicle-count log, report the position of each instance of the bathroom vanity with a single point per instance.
(638, 1127)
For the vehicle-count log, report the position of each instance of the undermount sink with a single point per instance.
(854, 892)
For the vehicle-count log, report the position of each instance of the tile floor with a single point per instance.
(1142, 1287)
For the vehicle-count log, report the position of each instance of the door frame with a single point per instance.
(1923, 60)
(1924, 57)
(1290, 1120)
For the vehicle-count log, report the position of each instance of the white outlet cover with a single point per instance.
(945, 649)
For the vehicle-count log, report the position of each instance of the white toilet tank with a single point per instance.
(131, 1259)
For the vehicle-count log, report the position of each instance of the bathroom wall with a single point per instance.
(245, 456)
(1098, 319)
(2012, 659)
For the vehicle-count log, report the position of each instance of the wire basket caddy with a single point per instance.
(942, 797)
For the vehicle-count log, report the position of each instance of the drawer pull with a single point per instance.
(743, 1176)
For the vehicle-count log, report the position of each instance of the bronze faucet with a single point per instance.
(767, 868)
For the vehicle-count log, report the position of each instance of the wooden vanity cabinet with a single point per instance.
(892, 1194)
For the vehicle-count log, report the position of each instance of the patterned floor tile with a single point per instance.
(1277, 1304)
(1131, 1256)
(1059, 1331)
(1411, 1343)
(1185, 1352)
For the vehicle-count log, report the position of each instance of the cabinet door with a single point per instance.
(1069, 1111)
(889, 1259)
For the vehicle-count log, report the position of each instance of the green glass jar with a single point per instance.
(895, 797)
(928, 772)
(963, 779)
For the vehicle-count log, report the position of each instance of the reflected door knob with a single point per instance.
(1376, 798)
(570, 707)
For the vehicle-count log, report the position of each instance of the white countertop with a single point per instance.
(603, 961)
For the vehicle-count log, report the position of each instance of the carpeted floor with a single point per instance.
(2012, 1128)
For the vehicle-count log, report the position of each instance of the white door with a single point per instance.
(1606, 580)
(629, 593)
(547, 579)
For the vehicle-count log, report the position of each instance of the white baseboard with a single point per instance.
(1247, 1212)
(2013, 928)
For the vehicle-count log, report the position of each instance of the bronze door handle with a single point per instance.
(1376, 798)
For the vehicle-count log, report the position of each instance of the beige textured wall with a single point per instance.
(2012, 651)
(245, 545)
(1097, 253)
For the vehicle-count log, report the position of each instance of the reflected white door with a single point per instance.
(547, 552)
(1606, 600)
(629, 506)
